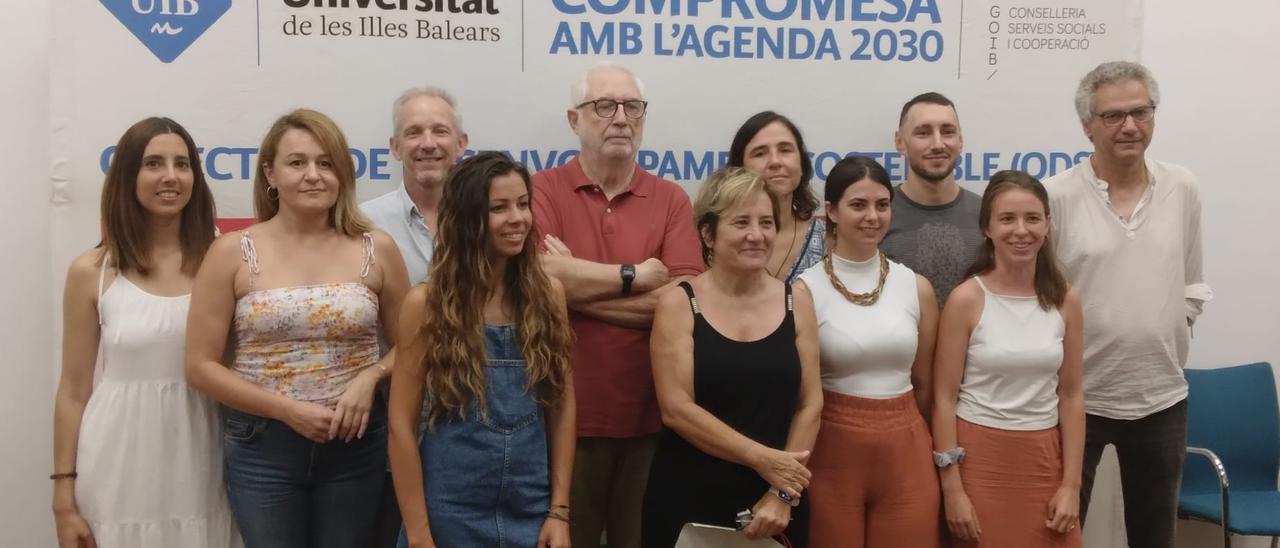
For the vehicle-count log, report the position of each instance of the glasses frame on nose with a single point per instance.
(1114, 118)
(608, 108)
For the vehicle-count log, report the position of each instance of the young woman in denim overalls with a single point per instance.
(493, 466)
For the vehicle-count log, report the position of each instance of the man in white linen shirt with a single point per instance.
(1127, 230)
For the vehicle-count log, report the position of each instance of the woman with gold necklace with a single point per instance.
(770, 145)
(873, 481)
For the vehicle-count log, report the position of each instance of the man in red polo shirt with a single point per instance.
(615, 234)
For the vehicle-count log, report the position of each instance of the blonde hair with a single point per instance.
(345, 215)
(727, 188)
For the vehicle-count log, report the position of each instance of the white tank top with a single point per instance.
(1011, 368)
(867, 351)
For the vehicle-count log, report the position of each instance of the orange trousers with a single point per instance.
(1009, 477)
(874, 483)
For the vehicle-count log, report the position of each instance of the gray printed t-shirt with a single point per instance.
(938, 242)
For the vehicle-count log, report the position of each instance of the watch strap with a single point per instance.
(628, 273)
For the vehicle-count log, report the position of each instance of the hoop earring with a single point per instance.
(273, 193)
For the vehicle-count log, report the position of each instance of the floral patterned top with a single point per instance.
(307, 342)
(815, 246)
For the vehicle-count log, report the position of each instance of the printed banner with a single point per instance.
(840, 68)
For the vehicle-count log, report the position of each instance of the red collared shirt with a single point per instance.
(652, 218)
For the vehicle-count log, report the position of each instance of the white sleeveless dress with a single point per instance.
(150, 454)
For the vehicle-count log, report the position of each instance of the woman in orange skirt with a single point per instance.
(873, 483)
(1008, 426)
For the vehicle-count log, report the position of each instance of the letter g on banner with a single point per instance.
(167, 27)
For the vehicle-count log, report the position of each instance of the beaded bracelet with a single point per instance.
(63, 475)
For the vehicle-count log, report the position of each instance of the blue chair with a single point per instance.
(1233, 426)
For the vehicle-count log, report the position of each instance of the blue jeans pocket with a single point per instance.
(242, 428)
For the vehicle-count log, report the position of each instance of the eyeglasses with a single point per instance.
(1113, 118)
(607, 108)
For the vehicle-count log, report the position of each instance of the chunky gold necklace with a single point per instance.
(865, 299)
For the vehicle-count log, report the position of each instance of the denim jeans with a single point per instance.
(289, 492)
(1150, 450)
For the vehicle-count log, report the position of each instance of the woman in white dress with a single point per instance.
(137, 459)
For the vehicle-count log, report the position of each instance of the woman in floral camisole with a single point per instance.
(303, 295)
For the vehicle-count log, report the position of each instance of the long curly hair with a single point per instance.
(453, 366)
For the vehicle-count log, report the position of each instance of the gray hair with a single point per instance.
(578, 91)
(1110, 73)
(425, 91)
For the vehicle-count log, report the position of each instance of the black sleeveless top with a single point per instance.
(753, 387)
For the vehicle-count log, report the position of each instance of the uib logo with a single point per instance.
(167, 27)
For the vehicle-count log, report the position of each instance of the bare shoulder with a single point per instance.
(383, 241)
(1072, 301)
(966, 296)
(926, 297)
(224, 247)
(83, 272)
(671, 299)
(924, 287)
(801, 298)
(88, 263)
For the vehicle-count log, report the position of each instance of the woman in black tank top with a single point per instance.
(735, 362)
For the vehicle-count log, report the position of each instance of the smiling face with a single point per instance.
(1128, 141)
(616, 137)
(1017, 227)
(303, 173)
(929, 138)
(510, 217)
(774, 155)
(862, 215)
(165, 178)
(744, 234)
(427, 141)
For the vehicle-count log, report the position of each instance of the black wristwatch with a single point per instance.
(628, 272)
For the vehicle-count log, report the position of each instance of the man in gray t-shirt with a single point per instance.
(934, 230)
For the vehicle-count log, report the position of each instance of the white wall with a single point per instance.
(28, 282)
(1215, 66)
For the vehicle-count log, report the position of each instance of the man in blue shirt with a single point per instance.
(428, 139)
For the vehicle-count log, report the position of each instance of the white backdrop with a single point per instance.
(70, 96)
